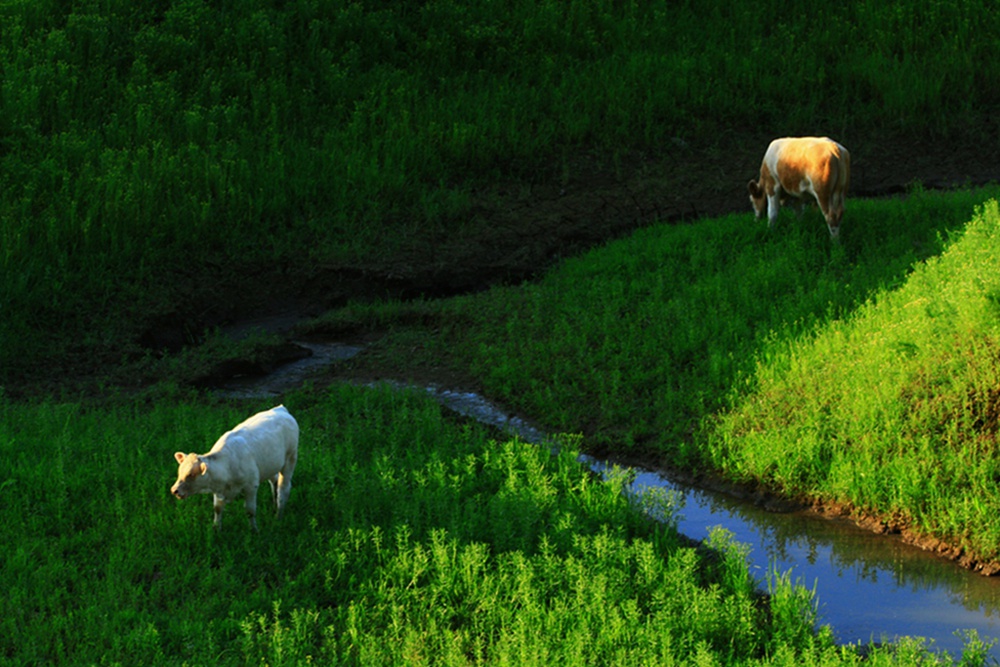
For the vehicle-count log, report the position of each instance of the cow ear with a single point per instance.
(179, 456)
(753, 188)
(203, 467)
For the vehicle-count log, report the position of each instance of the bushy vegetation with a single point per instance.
(151, 152)
(894, 409)
(862, 374)
(408, 539)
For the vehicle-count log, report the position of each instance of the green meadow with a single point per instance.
(171, 155)
(862, 374)
(410, 538)
(180, 155)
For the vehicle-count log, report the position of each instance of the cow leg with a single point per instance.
(773, 206)
(832, 219)
(834, 228)
(273, 483)
(285, 480)
(250, 504)
(218, 504)
(284, 490)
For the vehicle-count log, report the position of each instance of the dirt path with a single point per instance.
(518, 228)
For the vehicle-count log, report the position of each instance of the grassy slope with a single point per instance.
(893, 409)
(158, 154)
(643, 344)
(637, 341)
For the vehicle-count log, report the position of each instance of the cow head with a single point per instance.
(758, 198)
(191, 475)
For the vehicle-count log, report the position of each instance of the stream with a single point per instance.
(868, 587)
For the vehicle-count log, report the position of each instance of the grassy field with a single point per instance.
(832, 373)
(409, 539)
(660, 329)
(185, 152)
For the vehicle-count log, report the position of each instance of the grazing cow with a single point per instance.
(265, 446)
(794, 166)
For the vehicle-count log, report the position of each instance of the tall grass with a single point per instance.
(635, 343)
(151, 151)
(409, 539)
(894, 409)
(862, 373)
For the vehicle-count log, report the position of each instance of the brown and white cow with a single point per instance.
(795, 166)
(265, 446)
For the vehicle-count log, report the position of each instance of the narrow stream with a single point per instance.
(868, 587)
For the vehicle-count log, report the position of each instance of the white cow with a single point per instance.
(794, 166)
(265, 446)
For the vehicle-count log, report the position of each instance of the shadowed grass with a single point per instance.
(150, 153)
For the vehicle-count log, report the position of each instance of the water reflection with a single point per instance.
(868, 587)
(290, 376)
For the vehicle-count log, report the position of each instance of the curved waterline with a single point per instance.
(868, 587)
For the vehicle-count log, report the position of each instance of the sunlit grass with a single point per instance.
(408, 539)
(151, 150)
(895, 408)
(637, 342)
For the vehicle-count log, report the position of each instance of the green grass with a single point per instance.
(149, 153)
(637, 342)
(152, 154)
(893, 409)
(863, 373)
(409, 539)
